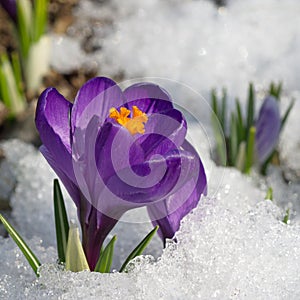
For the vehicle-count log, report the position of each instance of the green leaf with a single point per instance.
(17, 71)
(250, 150)
(139, 248)
(220, 141)
(287, 216)
(40, 18)
(224, 110)
(275, 90)
(286, 115)
(214, 101)
(233, 146)
(30, 256)
(61, 221)
(241, 157)
(250, 107)
(75, 257)
(269, 195)
(240, 122)
(24, 13)
(106, 257)
(10, 93)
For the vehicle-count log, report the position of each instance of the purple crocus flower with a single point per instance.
(115, 151)
(11, 8)
(267, 128)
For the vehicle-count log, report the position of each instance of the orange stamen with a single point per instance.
(134, 125)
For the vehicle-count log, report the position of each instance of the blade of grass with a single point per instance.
(139, 248)
(287, 113)
(240, 122)
(241, 157)
(30, 256)
(250, 150)
(24, 9)
(61, 221)
(269, 195)
(287, 216)
(220, 141)
(250, 107)
(13, 100)
(214, 101)
(224, 110)
(106, 257)
(40, 18)
(233, 143)
(17, 70)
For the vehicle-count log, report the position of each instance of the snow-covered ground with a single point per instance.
(234, 245)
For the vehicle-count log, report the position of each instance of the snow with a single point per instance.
(196, 43)
(234, 245)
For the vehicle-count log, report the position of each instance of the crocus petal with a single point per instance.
(170, 125)
(52, 122)
(71, 187)
(11, 7)
(267, 128)
(133, 183)
(169, 212)
(148, 97)
(96, 97)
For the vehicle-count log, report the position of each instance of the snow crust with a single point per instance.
(234, 245)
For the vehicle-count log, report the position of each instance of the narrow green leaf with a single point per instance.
(287, 216)
(233, 142)
(40, 18)
(240, 122)
(75, 257)
(250, 107)
(214, 101)
(224, 110)
(30, 256)
(250, 150)
(11, 96)
(17, 70)
(264, 166)
(241, 157)
(287, 113)
(269, 195)
(272, 89)
(220, 141)
(275, 90)
(140, 247)
(106, 257)
(61, 221)
(24, 13)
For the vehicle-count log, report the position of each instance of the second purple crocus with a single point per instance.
(267, 128)
(116, 150)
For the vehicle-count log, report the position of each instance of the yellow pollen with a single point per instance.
(134, 125)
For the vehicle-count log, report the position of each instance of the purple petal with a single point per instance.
(267, 128)
(95, 98)
(11, 7)
(72, 188)
(170, 126)
(148, 97)
(169, 212)
(52, 122)
(132, 180)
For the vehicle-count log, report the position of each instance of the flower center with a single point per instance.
(134, 125)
